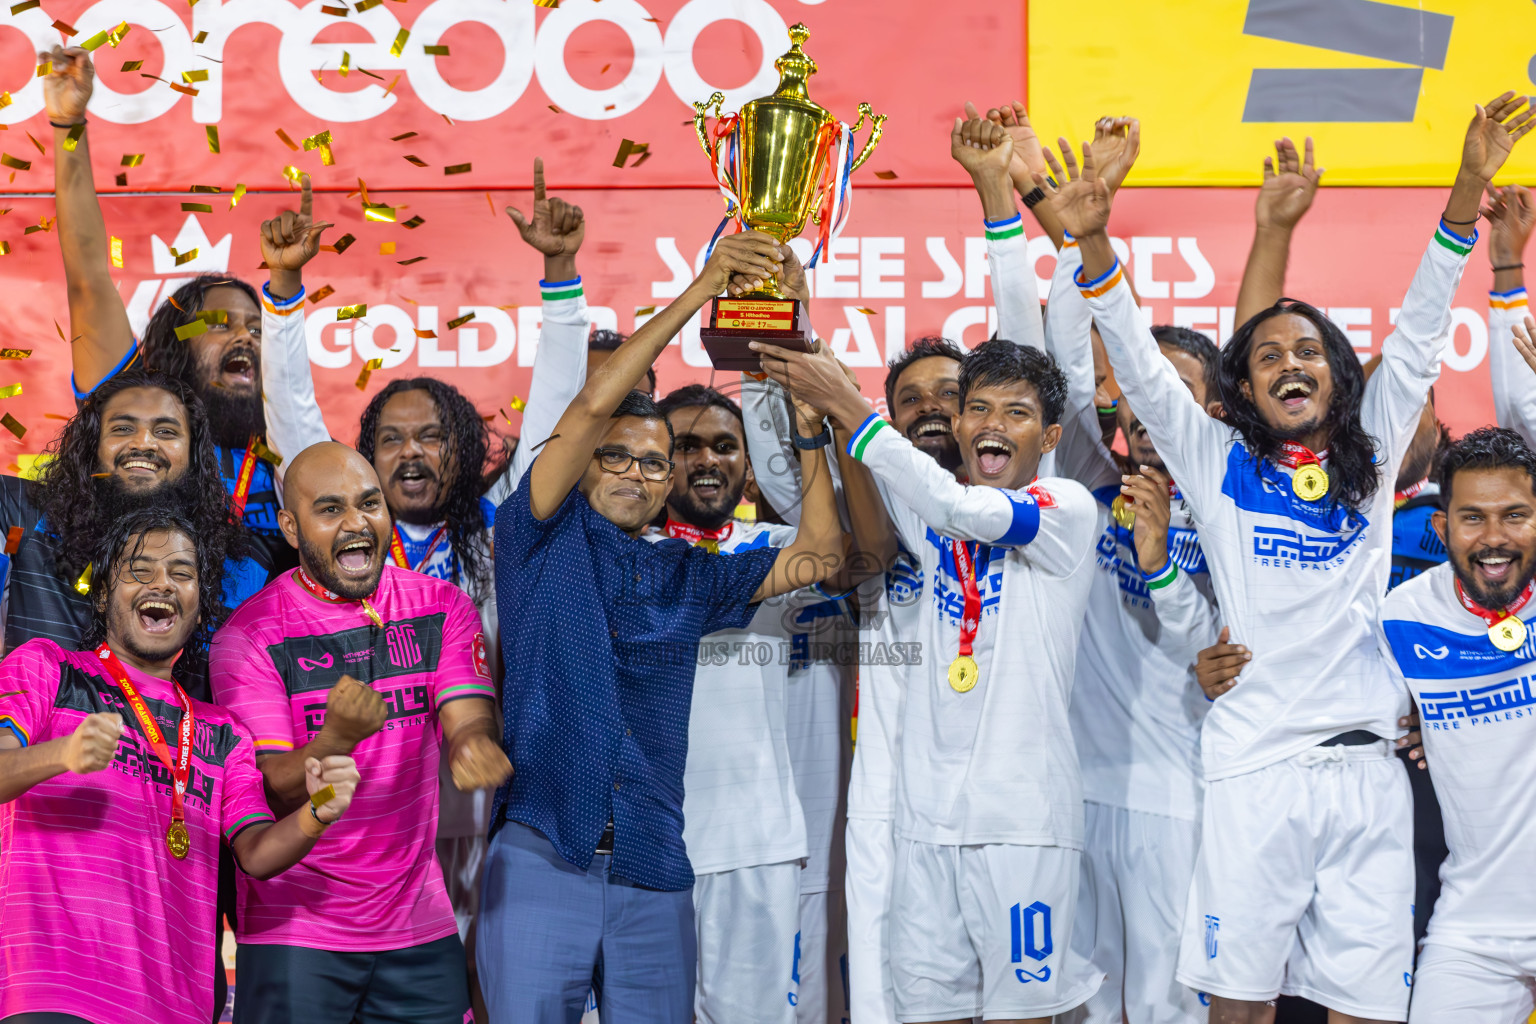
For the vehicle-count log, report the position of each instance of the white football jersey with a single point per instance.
(1514, 383)
(1477, 712)
(1300, 583)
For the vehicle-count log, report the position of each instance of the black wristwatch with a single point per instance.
(820, 440)
(1035, 196)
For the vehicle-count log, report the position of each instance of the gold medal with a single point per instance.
(1508, 634)
(1122, 512)
(177, 840)
(1310, 482)
(963, 674)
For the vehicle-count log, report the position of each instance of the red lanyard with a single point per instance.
(1294, 456)
(243, 481)
(1404, 496)
(397, 549)
(709, 540)
(333, 597)
(180, 765)
(1494, 618)
(970, 618)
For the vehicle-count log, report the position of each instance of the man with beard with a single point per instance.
(1136, 708)
(349, 656)
(1460, 637)
(206, 334)
(118, 789)
(1305, 865)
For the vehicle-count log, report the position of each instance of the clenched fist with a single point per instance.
(479, 763)
(68, 85)
(338, 772)
(94, 743)
(353, 711)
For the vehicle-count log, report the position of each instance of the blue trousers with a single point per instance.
(548, 932)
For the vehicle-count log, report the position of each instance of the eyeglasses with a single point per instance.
(617, 460)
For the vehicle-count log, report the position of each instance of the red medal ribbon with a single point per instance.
(695, 534)
(397, 548)
(334, 598)
(179, 765)
(1173, 492)
(1494, 618)
(1294, 456)
(970, 618)
(243, 481)
(1408, 494)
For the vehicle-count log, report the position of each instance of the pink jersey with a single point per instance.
(97, 919)
(375, 883)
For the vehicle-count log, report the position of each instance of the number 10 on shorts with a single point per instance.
(1031, 930)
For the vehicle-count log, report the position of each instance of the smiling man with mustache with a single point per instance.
(351, 655)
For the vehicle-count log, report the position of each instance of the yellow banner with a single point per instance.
(1385, 90)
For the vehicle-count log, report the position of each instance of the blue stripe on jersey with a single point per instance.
(1026, 520)
(904, 579)
(488, 511)
(1183, 543)
(1432, 652)
(1322, 532)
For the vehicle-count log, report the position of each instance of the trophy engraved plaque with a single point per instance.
(775, 164)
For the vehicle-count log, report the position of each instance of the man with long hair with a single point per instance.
(1305, 873)
(118, 790)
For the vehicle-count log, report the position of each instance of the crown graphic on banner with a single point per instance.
(210, 258)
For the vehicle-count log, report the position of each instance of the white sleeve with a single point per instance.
(1192, 443)
(1055, 524)
(774, 464)
(1186, 615)
(294, 421)
(1514, 384)
(1410, 357)
(1080, 455)
(559, 371)
(1013, 283)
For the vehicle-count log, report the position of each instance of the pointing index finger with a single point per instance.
(538, 179)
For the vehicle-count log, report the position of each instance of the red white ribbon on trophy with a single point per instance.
(840, 201)
(727, 173)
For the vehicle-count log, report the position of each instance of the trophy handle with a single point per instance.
(876, 129)
(700, 111)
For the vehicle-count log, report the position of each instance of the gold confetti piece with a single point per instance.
(291, 173)
(201, 37)
(117, 252)
(546, 3)
(370, 74)
(43, 68)
(185, 90)
(322, 293)
(457, 168)
(95, 41)
(886, 175)
(213, 316)
(346, 63)
(12, 390)
(196, 208)
(26, 5)
(342, 244)
(73, 138)
(865, 310)
(65, 27)
(171, 298)
(381, 212)
(5, 99)
(398, 46)
(605, 69)
(340, 12)
(205, 188)
(200, 75)
(645, 311)
(352, 312)
(517, 404)
(11, 161)
(157, 78)
(426, 334)
(266, 454)
(628, 149)
(364, 5)
(5, 248)
(386, 248)
(12, 424)
(414, 222)
(57, 416)
(287, 141)
(413, 259)
(132, 159)
(15, 353)
(185, 257)
(34, 142)
(398, 138)
(322, 142)
(418, 161)
(368, 368)
(392, 85)
(490, 203)
(12, 542)
(188, 331)
(122, 180)
(460, 321)
(559, 111)
(131, 65)
(436, 51)
(234, 200)
(116, 35)
(83, 584)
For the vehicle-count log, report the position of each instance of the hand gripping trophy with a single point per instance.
(774, 163)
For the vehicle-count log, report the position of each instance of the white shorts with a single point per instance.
(871, 850)
(1304, 884)
(1136, 872)
(746, 922)
(821, 960)
(986, 931)
(1490, 981)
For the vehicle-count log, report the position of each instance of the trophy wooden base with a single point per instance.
(735, 323)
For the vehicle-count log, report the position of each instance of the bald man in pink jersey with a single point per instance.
(348, 654)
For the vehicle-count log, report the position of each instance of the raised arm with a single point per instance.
(818, 550)
(1290, 183)
(90, 748)
(288, 242)
(1028, 159)
(1511, 215)
(583, 422)
(775, 466)
(1185, 615)
(97, 319)
(560, 364)
(268, 849)
(353, 712)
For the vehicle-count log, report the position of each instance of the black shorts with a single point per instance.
(424, 984)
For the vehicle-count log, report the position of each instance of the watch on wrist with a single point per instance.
(820, 440)
(1034, 197)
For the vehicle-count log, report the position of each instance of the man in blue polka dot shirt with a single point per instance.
(587, 879)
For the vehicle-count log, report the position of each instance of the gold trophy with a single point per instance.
(778, 161)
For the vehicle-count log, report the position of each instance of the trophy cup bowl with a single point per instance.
(773, 158)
